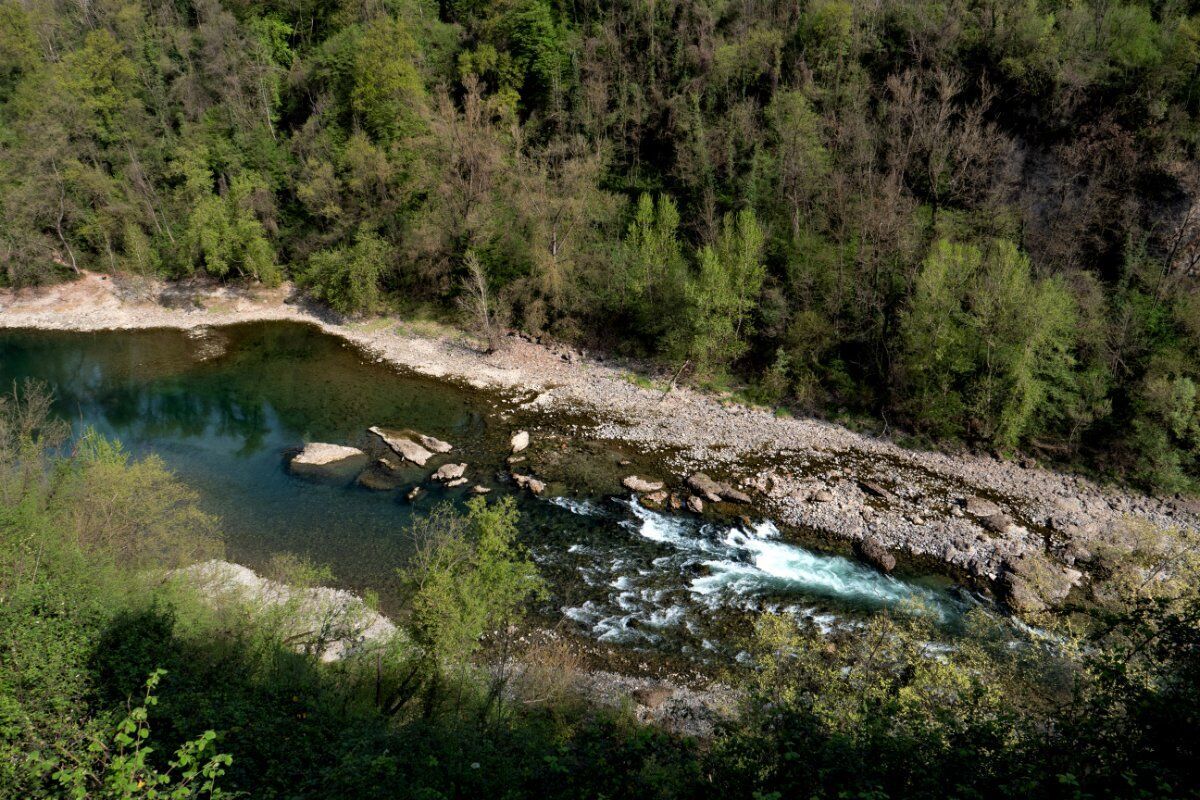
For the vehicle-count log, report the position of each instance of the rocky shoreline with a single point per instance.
(1042, 533)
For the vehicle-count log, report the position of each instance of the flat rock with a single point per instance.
(875, 490)
(456, 482)
(319, 456)
(404, 446)
(477, 489)
(434, 444)
(450, 472)
(519, 441)
(635, 484)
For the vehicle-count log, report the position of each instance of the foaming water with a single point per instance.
(752, 561)
(674, 577)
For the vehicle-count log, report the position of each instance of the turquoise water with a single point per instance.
(225, 408)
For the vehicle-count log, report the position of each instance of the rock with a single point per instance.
(654, 499)
(652, 697)
(455, 482)
(403, 445)
(519, 441)
(323, 457)
(515, 459)
(530, 483)
(477, 489)
(870, 550)
(705, 486)
(413, 493)
(821, 496)
(1019, 595)
(436, 445)
(450, 472)
(875, 490)
(980, 507)
(733, 495)
(714, 491)
(635, 484)
(996, 523)
(695, 504)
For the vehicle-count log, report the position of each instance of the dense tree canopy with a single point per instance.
(977, 219)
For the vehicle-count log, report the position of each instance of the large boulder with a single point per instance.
(519, 441)
(403, 444)
(874, 553)
(322, 457)
(980, 507)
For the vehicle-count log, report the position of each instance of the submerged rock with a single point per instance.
(477, 489)
(635, 484)
(413, 494)
(404, 446)
(378, 477)
(323, 457)
(456, 482)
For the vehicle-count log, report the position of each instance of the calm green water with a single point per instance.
(225, 408)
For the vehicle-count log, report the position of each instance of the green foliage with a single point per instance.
(348, 278)
(984, 340)
(122, 768)
(724, 294)
(388, 94)
(468, 576)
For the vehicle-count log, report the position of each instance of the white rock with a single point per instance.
(519, 441)
(322, 454)
(450, 472)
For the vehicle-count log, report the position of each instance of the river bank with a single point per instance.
(1029, 533)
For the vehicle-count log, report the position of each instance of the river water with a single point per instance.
(225, 407)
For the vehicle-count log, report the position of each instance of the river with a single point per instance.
(225, 406)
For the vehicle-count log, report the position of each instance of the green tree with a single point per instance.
(723, 295)
(984, 342)
(347, 278)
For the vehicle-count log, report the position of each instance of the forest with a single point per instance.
(974, 222)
